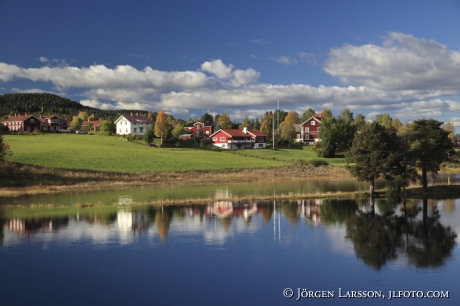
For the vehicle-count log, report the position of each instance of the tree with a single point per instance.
(246, 123)
(336, 134)
(375, 154)
(359, 122)
(76, 123)
(449, 127)
(199, 133)
(326, 113)
(347, 116)
(148, 136)
(256, 124)
(206, 118)
(266, 128)
(429, 146)
(224, 121)
(384, 120)
(162, 125)
(4, 149)
(307, 114)
(106, 126)
(288, 133)
(178, 130)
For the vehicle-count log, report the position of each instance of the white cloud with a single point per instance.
(218, 68)
(286, 60)
(43, 59)
(309, 58)
(260, 41)
(402, 63)
(406, 76)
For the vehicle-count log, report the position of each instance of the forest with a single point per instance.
(47, 104)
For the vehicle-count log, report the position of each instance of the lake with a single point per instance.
(328, 252)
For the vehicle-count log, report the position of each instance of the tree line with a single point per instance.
(387, 148)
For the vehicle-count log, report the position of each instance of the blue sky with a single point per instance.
(239, 57)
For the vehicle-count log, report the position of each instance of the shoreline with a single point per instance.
(21, 179)
(61, 181)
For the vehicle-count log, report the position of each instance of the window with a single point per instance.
(141, 130)
(135, 130)
(313, 122)
(214, 139)
(224, 146)
(45, 128)
(207, 132)
(222, 138)
(31, 120)
(261, 145)
(260, 139)
(307, 129)
(307, 136)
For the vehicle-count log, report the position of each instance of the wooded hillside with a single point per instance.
(47, 104)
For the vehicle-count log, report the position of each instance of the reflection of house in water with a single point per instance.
(132, 221)
(29, 226)
(125, 200)
(224, 209)
(309, 210)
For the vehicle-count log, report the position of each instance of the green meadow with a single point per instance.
(109, 153)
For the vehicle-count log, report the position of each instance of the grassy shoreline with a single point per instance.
(20, 179)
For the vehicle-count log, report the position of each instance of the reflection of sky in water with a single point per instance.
(207, 259)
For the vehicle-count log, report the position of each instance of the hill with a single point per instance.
(47, 104)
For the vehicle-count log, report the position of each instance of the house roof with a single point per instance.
(93, 122)
(135, 119)
(18, 118)
(240, 133)
(316, 117)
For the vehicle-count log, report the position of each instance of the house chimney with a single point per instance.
(131, 114)
(245, 130)
(25, 113)
(137, 114)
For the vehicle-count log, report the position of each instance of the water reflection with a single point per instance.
(379, 233)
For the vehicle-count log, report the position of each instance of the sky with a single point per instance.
(238, 57)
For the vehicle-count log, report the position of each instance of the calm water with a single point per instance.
(226, 253)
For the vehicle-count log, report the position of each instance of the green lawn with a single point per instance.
(104, 153)
(304, 153)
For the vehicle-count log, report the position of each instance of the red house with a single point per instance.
(25, 123)
(237, 139)
(309, 130)
(53, 124)
(207, 128)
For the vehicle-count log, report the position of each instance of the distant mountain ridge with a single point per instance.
(47, 104)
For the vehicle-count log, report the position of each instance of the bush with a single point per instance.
(318, 162)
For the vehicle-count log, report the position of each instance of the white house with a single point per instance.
(132, 124)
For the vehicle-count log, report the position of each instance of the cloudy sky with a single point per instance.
(239, 57)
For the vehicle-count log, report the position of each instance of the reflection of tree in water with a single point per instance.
(2, 222)
(289, 209)
(429, 243)
(337, 211)
(104, 218)
(448, 206)
(267, 213)
(163, 218)
(376, 238)
(380, 238)
(225, 222)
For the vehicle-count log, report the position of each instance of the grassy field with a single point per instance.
(291, 154)
(104, 153)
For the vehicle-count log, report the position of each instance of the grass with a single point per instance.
(291, 154)
(104, 153)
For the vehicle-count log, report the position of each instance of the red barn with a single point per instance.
(309, 130)
(207, 128)
(237, 139)
(25, 123)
